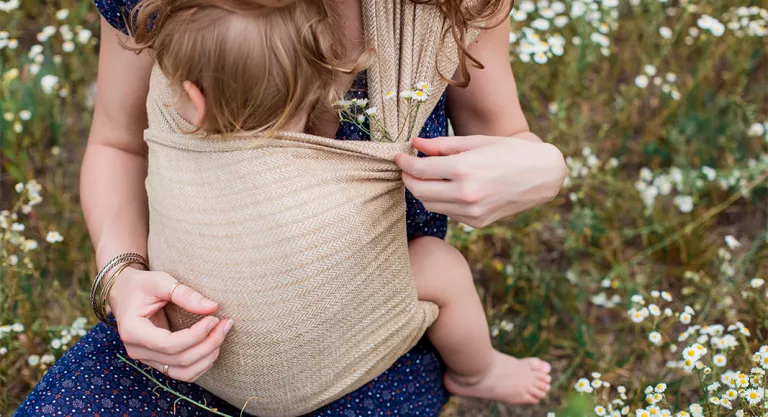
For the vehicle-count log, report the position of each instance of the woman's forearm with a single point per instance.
(114, 200)
(114, 167)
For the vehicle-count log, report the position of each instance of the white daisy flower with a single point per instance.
(709, 172)
(753, 396)
(582, 385)
(637, 316)
(33, 360)
(756, 282)
(519, 15)
(655, 338)
(732, 242)
(720, 360)
(540, 24)
(424, 86)
(726, 403)
(685, 318)
(654, 310)
(420, 95)
(757, 129)
(54, 237)
(49, 83)
(84, 35)
(684, 203)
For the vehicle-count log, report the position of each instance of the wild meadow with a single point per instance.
(643, 283)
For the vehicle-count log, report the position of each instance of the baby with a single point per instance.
(246, 66)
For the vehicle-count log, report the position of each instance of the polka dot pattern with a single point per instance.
(90, 380)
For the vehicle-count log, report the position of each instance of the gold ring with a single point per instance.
(170, 293)
(165, 370)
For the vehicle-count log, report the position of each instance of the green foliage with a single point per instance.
(666, 136)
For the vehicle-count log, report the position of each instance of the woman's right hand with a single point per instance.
(137, 300)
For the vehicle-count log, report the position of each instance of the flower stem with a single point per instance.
(167, 388)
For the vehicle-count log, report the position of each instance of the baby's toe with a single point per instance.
(538, 365)
(541, 386)
(542, 377)
(537, 394)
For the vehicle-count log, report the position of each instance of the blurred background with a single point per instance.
(656, 242)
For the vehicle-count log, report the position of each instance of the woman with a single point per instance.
(494, 169)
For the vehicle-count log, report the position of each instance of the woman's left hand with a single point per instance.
(478, 180)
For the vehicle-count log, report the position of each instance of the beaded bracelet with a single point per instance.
(121, 261)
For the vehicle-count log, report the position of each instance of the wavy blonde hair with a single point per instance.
(260, 63)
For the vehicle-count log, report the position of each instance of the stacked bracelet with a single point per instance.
(121, 262)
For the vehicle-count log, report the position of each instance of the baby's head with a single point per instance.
(244, 65)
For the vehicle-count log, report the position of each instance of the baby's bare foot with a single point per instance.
(510, 380)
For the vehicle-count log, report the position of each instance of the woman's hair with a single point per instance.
(463, 16)
(259, 63)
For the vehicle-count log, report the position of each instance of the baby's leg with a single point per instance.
(460, 332)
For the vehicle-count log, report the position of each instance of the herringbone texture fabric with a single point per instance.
(410, 48)
(301, 239)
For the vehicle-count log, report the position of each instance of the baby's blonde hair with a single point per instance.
(259, 63)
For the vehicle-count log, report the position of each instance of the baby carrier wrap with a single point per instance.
(301, 239)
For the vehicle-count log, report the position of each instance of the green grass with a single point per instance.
(545, 275)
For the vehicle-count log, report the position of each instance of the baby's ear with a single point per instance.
(197, 99)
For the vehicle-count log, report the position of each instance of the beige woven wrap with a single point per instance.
(301, 239)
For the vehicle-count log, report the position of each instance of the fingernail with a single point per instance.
(228, 326)
(212, 323)
(207, 303)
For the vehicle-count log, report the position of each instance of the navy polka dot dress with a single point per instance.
(90, 380)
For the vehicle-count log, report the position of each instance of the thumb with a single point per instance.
(450, 145)
(183, 296)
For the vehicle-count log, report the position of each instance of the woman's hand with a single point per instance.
(480, 179)
(137, 300)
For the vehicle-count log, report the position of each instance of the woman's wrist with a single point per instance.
(105, 279)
